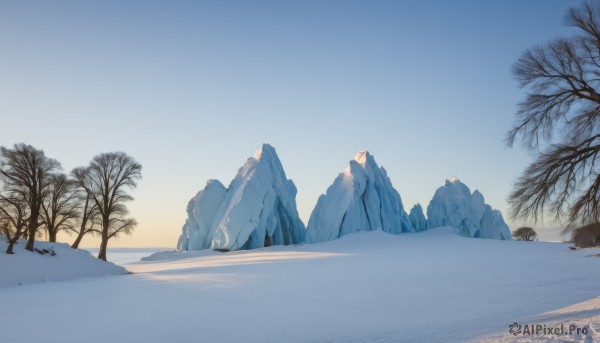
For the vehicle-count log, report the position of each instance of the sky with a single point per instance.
(192, 88)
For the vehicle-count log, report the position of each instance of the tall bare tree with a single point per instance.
(88, 219)
(559, 119)
(26, 174)
(60, 206)
(107, 180)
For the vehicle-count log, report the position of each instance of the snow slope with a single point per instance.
(431, 286)
(257, 209)
(361, 198)
(29, 267)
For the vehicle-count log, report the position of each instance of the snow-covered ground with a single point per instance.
(433, 286)
(26, 267)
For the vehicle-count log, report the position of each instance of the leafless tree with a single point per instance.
(587, 236)
(26, 174)
(88, 221)
(106, 180)
(60, 207)
(524, 234)
(559, 119)
(13, 218)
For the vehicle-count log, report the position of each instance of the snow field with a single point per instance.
(433, 286)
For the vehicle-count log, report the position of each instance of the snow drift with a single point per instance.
(257, 209)
(454, 205)
(361, 198)
(24, 267)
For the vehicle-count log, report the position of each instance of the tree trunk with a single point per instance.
(9, 250)
(30, 238)
(102, 252)
(75, 244)
(32, 228)
(104, 243)
(12, 241)
(52, 236)
(82, 230)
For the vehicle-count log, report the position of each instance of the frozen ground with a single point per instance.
(433, 286)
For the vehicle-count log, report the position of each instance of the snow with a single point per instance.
(585, 314)
(24, 267)
(454, 205)
(258, 208)
(360, 199)
(431, 286)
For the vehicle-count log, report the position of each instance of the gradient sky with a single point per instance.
(193, 88)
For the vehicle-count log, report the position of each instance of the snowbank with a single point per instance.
(24, 267)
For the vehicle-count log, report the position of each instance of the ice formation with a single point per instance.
(417, 218)
(257, 209)
(454, 205)
(201, 211)
(361, 198)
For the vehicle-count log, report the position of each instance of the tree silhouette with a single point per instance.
(26, 176)
(524, 234)
(60, 206)
(106, 180)
(587, 236)
(563, 82)
(88, 221)
(13, 214)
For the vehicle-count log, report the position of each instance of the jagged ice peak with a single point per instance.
(361, 157)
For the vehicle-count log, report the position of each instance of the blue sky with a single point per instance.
(193, 88)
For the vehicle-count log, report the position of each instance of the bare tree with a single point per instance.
(586, 236)
(26, 174)
(563, 82)
(106, 180)
(13, 219)
(60, 206)
(524, 234)
(88, 220)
